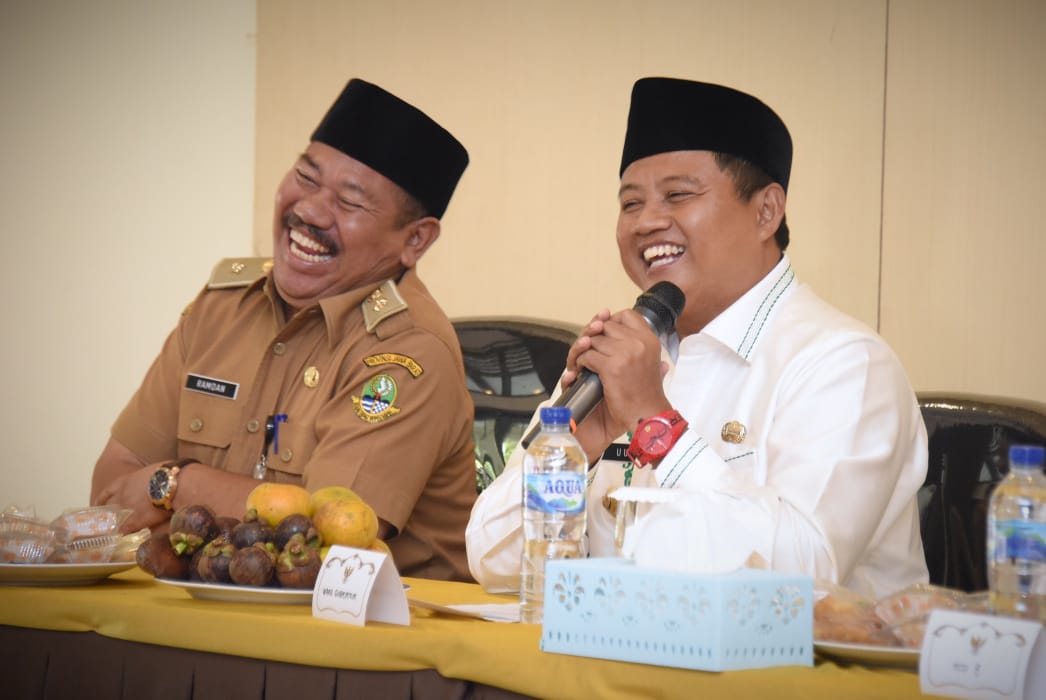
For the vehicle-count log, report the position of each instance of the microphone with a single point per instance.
(660, 307)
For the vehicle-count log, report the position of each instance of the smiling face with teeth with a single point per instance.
(682, 220)
(340, 225)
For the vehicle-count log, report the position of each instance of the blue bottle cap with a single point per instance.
(555, 415)
(1027, 455)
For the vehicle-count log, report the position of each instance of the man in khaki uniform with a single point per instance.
(330, 366)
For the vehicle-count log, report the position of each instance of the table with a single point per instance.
(131, 637)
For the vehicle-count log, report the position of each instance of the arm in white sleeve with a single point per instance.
(829, 476)
(494, 535)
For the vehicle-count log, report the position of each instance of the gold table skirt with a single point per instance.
(130, 606)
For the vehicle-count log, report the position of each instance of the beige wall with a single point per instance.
(917, 127)
(964, 237)
(539, 92)
(126, 160)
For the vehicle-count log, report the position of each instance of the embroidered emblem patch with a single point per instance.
(374, 404)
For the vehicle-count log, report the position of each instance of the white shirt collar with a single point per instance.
(741, 325)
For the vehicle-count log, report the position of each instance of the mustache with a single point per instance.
(321, 235)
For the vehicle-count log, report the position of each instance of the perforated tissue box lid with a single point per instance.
(611, 609)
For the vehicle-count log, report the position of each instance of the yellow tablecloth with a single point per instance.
(131, 606)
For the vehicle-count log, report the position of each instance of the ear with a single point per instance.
(420, 235)
(770, 209)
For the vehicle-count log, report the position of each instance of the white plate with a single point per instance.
(242, 594)
(870, 654)
(60, 574)
(493, 612)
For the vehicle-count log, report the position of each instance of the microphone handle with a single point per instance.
(582, 396)
(587, 390)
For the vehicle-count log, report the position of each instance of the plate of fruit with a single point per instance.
(272, 555)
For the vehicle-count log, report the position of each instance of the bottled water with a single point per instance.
(1017, 537)
(554, 478)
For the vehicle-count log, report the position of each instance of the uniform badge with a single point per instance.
(383, 302)
(311, 377)
(734, 432)
(209, 385)
(393, 358)
(374, 404)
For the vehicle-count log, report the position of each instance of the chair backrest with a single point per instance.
(970, 437)
(512, 364)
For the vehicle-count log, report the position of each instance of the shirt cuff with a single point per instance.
(691, 465)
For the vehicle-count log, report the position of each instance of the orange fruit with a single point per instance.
(351, 523)
(330, 493)
(382, 546)
(274, 502)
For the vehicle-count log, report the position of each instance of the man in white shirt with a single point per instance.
(791, 427)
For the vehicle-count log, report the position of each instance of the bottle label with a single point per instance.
(1020, 539)
(563, 492)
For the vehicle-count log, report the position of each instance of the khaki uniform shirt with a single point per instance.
(383, 411)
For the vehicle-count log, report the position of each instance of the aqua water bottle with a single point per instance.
(1016, 539)
(554, 479)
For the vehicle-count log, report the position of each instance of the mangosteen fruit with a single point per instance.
(254, 565)
(213, 563)
(252, 529)
(295, 524)
(225, 524)
(157, 557)
(298, 564)
(191, 528)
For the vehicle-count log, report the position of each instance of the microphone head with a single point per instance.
(660, 306)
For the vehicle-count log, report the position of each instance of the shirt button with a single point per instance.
(287, 454)
(279, 348)
(196, 425)
(252, 426)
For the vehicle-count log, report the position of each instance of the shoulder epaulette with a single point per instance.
(383, 302)
(238, 272)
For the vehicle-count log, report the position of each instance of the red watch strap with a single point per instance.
(676, 425)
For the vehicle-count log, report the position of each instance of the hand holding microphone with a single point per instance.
(659, 306)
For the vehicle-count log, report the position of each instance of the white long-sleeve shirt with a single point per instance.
(824, 481)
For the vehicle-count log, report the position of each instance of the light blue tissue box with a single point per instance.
(611, 609)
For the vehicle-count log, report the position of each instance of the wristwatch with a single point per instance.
(654, 437)
(164, 483)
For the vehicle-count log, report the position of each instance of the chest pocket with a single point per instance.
(744, 462)
(206, 420)
(295, 445)
(739, 456)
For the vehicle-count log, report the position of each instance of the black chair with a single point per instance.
(511, 365)
(969, 442)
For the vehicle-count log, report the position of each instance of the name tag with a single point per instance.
(212, 386)
(617, 452)
(357, 585)
(982, 657)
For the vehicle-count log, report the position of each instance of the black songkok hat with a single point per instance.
(396, 139)
(668, 114)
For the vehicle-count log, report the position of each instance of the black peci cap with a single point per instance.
(668, 114)
(396, 139)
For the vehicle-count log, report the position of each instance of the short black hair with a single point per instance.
(409, 208)
(749, 179)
